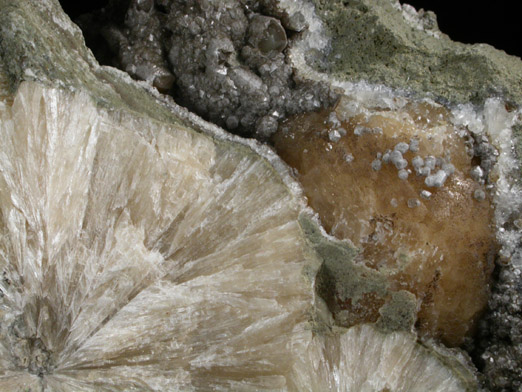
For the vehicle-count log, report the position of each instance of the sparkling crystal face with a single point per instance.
(402, 186)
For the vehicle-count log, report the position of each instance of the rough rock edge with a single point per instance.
(26, 56)
(109, 87)
(499, 79)
(458, 73)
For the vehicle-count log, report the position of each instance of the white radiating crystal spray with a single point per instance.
(365, 360)
(141, 256)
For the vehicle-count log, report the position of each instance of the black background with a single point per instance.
(496, 22)
(75, 8)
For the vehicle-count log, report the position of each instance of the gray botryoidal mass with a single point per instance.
(225, 60)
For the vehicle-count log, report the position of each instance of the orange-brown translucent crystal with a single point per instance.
(441, 249)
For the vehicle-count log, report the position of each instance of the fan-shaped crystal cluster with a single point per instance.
(143, 249)
(140, 255)
(391, 362)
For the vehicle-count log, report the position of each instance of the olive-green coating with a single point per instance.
(400, 313)
(372, 41)
(342, 278)
(340, 275)
(340, 271)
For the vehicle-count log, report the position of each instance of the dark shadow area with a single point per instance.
(77, 8)
(498, 25)
(226, 61)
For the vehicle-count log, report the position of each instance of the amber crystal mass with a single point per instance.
(403, 188)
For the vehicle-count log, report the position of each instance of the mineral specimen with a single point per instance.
(133, 245)
(143, 248)
(341, 368)
(136, 253)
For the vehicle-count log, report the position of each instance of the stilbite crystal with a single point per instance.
(391, 362)
(141, 256)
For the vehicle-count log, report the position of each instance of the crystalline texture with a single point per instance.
(140, 256)
(438, 247)
(365, 360)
